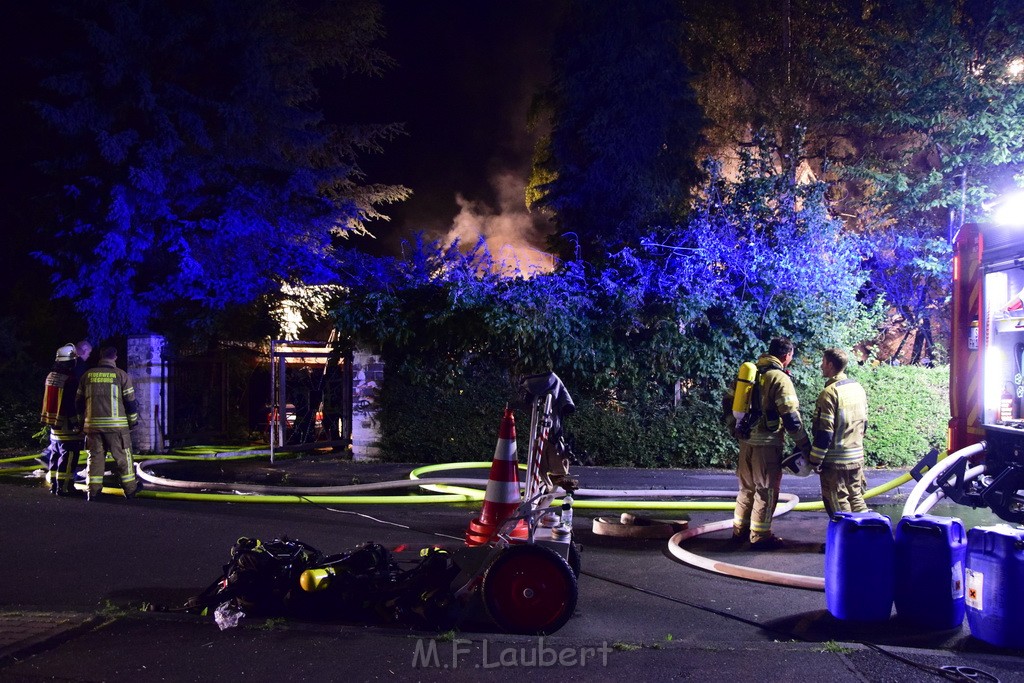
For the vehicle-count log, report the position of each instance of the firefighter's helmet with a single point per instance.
(66, 353)
(797, 463)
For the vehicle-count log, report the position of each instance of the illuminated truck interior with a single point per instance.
(986, 437)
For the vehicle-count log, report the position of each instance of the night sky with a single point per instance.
(465, 75)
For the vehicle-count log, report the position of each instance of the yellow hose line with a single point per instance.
(19, 458)
(457, 490)
(584, 504)
(23, 468)
(870, 493)
(443, 493)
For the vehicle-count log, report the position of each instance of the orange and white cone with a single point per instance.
(501, 498)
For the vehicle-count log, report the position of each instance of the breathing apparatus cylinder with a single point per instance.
(313, 580)
(744, 388)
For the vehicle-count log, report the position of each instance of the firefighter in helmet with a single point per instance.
(59, 413)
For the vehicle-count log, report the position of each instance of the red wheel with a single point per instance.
(529, 589)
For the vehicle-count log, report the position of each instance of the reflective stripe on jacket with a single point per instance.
(840, 420)
(59, 407)
(107, 398)
(780, 408)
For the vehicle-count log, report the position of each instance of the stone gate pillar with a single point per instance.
(149, 375)
(367, 375)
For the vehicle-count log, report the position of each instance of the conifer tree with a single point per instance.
(623, 125)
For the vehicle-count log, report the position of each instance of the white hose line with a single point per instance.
(938, 494)
(399, 484)
(652, 493)
(940, 468)
(739, 571)
(291, 490)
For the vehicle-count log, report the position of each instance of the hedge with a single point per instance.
(908, 415)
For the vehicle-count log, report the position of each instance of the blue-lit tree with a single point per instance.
(196, 173)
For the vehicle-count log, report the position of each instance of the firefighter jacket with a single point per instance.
(840, 420)
(780, 409)
(59, 407)
(106, 397)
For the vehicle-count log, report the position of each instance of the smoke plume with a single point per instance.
(513, 236)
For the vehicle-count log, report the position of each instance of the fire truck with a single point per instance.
(985, 466)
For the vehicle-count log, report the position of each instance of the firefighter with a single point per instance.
(840, 420)
(106, 399)
(83, 350)
(760, 460)
(59, 413)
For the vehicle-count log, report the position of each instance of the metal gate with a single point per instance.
(198, 388)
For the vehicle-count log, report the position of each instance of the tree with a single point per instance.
(909, 270)
(938, 120)
(624, 124)
(765, 263)
(910, 109)
(940, 116)
(196, 172)
(758, 70)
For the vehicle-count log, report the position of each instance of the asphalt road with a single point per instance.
(88, 568)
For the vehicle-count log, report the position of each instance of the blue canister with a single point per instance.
(930, 557)
(859, 558)
(994, 580)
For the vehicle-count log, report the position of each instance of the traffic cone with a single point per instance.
(501, 498)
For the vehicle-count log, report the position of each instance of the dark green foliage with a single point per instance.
(624, 121)
(937, 105)
(654, 435)
(448, 422)
(21, 391)
(908, 412)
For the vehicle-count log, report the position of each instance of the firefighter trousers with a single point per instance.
(63, 464)
(843, 490)
(760, 477)
(119, 444)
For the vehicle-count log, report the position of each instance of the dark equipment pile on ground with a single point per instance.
(289, 578)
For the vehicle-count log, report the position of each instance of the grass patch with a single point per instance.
(836, 648)
(273, 624)
(626, 647)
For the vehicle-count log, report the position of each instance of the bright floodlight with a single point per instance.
(1010, 210)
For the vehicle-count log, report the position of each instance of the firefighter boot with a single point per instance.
(135, 491)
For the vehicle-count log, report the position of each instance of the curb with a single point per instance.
(25, 633)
